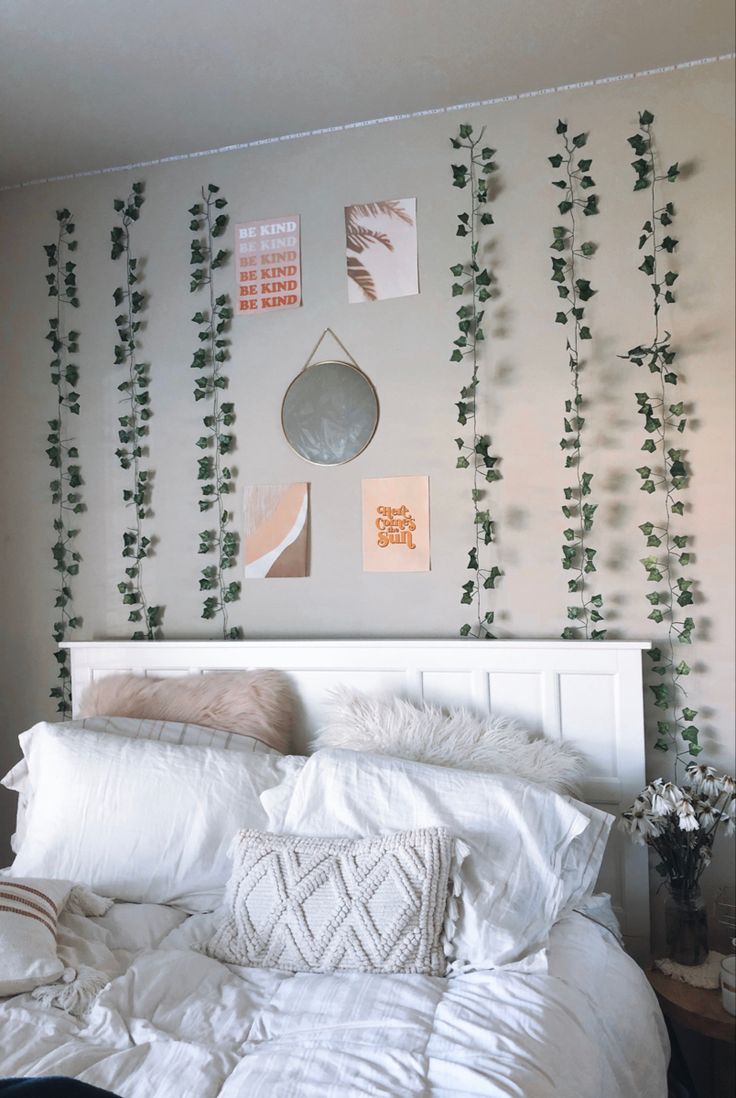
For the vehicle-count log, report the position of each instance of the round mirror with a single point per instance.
(329, 413)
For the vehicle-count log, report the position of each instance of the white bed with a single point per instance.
(173, 1023)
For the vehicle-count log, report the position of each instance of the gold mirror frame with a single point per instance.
(364, 438)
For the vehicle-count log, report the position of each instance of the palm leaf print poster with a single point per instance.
(381, 245)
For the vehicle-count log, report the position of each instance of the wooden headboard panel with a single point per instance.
(586, 693)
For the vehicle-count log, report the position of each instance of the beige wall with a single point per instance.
(404, 346)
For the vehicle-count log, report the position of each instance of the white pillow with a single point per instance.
(17, 779)
(140, 820)
(532, 852)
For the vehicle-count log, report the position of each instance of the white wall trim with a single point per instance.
(375, 122)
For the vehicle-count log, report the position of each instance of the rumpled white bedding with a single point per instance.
(175, 1024)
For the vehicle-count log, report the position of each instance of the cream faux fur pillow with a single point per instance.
(429, 734)
(248, 703)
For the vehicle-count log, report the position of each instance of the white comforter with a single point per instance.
(174, 1024)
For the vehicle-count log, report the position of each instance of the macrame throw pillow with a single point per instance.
(380, 904)
(257, 703)
(430, 734)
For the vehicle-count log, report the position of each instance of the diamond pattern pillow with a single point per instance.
(379, 904)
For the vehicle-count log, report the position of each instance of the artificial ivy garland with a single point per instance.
(663, 416)
(578, 555)
(62, 451)
(472, 282)
(215, 478)
(133, 425)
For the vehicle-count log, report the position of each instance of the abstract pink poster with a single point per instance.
(276, 530)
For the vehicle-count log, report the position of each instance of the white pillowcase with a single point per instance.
(17, 780)
(532, 852)
(140, 820)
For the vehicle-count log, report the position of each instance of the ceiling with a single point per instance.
(88, 84)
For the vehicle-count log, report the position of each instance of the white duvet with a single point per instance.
(173, 1023)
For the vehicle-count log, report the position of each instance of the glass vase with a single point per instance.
(686, 924)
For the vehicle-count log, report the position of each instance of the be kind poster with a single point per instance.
(268, 265)
(396, 524)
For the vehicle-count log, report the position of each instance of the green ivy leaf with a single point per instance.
(661, 694)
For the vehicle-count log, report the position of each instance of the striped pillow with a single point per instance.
(29, 914)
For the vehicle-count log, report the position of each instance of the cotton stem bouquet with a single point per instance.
(680, 822)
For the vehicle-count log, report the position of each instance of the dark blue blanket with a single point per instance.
(55, 1086)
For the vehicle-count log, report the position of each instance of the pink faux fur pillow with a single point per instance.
(248, 703)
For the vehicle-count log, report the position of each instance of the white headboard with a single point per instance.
(587, 693)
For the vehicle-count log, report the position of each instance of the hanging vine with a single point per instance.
(133, 424)
(214, 476)
(62, 451)
(472, 283)
(668, 476)
(578, 555)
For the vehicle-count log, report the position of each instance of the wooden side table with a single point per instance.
(697, 1010)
